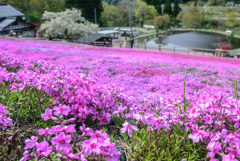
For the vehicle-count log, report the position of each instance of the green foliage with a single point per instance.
(109, 13)
(232, 19)
(195, 3)
(163, 145)
(192, 17)
(156, 4)
(176, 8)
(231, 40)
(26, 105)
(167, 8)
(162, 21)
(87, 8)
(143, 11)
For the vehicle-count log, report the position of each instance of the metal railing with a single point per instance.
(189, 50)
(174, 49)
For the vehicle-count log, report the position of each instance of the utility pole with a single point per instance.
(130, 19)
(95, 12)
(26, 5)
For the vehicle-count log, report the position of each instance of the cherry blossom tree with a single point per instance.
(69, 22)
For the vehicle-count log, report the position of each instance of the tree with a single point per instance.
(176, 8)
(144, 12)
(232, 19)
(167, 7)
(162, 21)
(232, 41)
(109, 14)
(156, 4)
(179, 16)
(87, 8)
(192, 17)
(66, 22)
(195, 3)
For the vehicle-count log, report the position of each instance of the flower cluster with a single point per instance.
(4, 120)
(100, 85)
(65, 142)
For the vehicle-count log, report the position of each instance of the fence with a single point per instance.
(176, 49)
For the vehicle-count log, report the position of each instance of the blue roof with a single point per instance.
(8, 11)
(106, 32)
(7, 22)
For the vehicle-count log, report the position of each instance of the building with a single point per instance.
(12, 19)
(94, 40)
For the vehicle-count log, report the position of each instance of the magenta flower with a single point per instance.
(215, 149)
(69, 153)
(44, 131)
(31, 143)
(71, 129)
(229, 157)
(47, 115)
(63, 109)
(61, 141)
(128, 128)
(26, 156)
(43, 149)
(91, 145)
(114, 156)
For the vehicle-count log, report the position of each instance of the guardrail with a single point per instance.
(175, 49)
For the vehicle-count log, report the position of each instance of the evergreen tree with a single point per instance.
(167, 7)
(195, 3)
(87, 8)
(157, 5)
(231, 40)
(176, 8)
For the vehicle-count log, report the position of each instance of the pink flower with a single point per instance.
(128, 128)
(56, 129)
(91, 145)
(114, 156)
(69, 153)
(61, 140)
(44, 131)
(47, 115)
(215, 149)
(208, 119)
(71, 129)
(10, 138)
(64, 110)
(26, 156)
(31, 143)
(120, 110)
(229, 157)
(43, 149)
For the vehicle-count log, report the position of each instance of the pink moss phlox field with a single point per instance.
(145, 86)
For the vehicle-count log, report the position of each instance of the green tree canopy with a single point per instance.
(162, 21)
(232, 19)
(167, 7)
(143, 11)
(192, 17)
(87, 8)
(176, 8)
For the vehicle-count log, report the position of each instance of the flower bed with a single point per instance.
(169, 106)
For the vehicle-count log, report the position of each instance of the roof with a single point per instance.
(125, 29)
(8, 11)
(106, 32)
(88, 38)
(7, 22)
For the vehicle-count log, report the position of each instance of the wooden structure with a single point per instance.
(109, 33)
(12, 19)
(94, 40)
